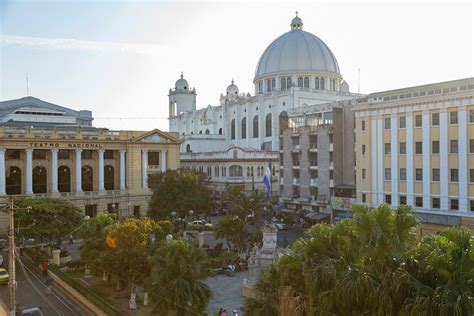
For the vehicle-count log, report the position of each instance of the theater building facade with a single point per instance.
(50, 151)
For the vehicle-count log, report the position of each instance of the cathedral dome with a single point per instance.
(232, 89)
(295, 52)
(181, 84)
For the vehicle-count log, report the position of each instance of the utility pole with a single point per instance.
(11, 260)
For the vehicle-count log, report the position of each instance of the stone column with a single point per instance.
(3, 189)
(54, 170)
(122, 169)
(163, 160)
(100, 152)
(145, 168)
(78, 170)
(29, 171)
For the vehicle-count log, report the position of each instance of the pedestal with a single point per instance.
(56, 257)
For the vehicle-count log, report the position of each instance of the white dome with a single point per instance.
(181, 84)
(296, 52)
(232, 88)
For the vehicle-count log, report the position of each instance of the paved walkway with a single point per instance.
(226, 292)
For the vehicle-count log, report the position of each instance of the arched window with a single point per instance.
(243, 126)
(208, 131)
(288, 83)
(40, 178)
(109, 183)
(283, 121)
(333, 84)
(316, 82)
(220, 131)
(260, 87)
(255, 126)
(268, 125)
(283, 84)
(235, 171)
(269, 85)
(306, 82)
(273, 84)
(248, 171)
(13, 181)
(188, 148)
(87, 178)
(251, 171)
(300, 82)
(64, 179)
(200, 132)
(321, 84)
(232, 129)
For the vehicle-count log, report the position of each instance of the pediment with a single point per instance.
(157, 136)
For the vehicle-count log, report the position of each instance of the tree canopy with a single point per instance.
(178, 191)
(47, 218)
(371, 265)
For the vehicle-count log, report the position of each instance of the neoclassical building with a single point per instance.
(296, 70)
(47, 150)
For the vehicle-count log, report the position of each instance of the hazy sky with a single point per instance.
(119, 58)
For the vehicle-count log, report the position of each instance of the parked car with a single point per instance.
(200, 224)
(32, 311)
(4, 277)
(279, 224)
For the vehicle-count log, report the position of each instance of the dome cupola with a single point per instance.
(232, 89)
(181, 84)
(296, 23)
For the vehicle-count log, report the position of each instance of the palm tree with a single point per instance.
(178, 268)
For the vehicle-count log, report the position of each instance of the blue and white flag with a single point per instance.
(267, 179)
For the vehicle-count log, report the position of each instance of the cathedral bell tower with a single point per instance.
(182, 98)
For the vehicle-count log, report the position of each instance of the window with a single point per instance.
(332, 84)
(321, 84)
(402, 200)
(435, 203)
(388, 199)
(283, 84)
(403, 148)
(364, 198)
(435, 147)
(316, 83)
(244, 128)
(306, 82)
(14, 154)
(418, 148)
(269, 85)
(363, 174)
(453, 145)
(388, 123)
(91, 210)
(388, 147)
(403, 174)
(63, 154)
(273, 84)
(260, 87)
(363, 125)
(109, 154)
(236, 171)
(472, 205)
(419, 201)
(288, 83)
(232, 129)
(220, 131)
(255, 126)
(435, 119)
(435, 174)
(403, 122)
(454, 175)
(39, 154)
(454, 204)
(453, 117)
(471, 175)
(86, 154)
(153, 158)
(300, 82)
(136, 211)
(471, 116)
(418, 174)
(363, 150)
(388, 174)
(268, 125)
(418, 121)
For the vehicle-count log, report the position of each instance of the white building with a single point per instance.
(296, 70)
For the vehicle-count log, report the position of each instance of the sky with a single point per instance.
(120, 58)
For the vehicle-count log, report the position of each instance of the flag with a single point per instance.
(267, 179)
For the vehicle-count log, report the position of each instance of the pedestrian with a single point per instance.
(45, 267)
(220, 312)
(234, 313)
(71, 239)
(49, 282)
(224, 312)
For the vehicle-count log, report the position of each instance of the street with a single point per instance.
(31, 292)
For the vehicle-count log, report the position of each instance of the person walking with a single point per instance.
(234, 313)
(71, 239)
(45, 267)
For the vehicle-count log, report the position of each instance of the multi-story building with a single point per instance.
(47, 150)
(317, 159)
(415, 146)
(296, 70)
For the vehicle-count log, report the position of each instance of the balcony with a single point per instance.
(331, 146)
(296, 167)
(314, 182)
(296, 181)
(331, 183)
(313, 149)
(331, 165)
(296, 148)
(281, 181)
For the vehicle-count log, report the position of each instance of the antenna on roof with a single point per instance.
(27, 86)
(358, 83)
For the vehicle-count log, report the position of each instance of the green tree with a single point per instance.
(47, 219)
(178, 268)
(178, 191)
